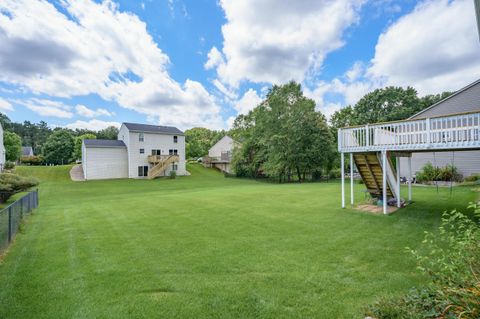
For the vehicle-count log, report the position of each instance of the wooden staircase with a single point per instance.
(369, 166)
(161, 164)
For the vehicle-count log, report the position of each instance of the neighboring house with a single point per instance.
(141, 151)
(27, 151)
(2, 149)
(220, 154)
(465, 100)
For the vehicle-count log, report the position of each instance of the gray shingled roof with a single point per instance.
(27, 150)
(153, 128)
(103, 143)
(462, 101)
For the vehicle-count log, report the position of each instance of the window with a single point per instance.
(175, 139)
(172, 152)
(142, 151)
(141, 137)
(142, 171)
(156, 152)
(174, 167)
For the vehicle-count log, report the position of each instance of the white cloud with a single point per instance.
(355, 71)
(214, 59)
(230, 121)
(82, 110)
(5, 106)
(93, 125)
(434, 48)
(96, 49)
(248, 102)
(230, 94)
(46, 107)
(277, 41)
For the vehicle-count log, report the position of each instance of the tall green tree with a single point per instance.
(59, 147)
(386, 104)
(109, 133)
(77, 148)
(383, 105)
(283, 137)
(199, 140)
(13, 146)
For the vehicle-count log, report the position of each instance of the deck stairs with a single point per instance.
(160, 164)
(369, 166)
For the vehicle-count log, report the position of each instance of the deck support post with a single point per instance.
(384, 180)
(351, 179)
(342, 168)
(410, 178)
(398, 182)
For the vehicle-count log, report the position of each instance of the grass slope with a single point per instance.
(206, 246)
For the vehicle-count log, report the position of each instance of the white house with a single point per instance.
(463, 101)
(220, 154)
(141, 151)
(2, 149)
(27, 151)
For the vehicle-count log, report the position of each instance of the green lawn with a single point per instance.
(206, 246)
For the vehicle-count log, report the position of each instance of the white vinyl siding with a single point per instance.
(104, 163)
(467, 162)
(154, 141)
(225, 144)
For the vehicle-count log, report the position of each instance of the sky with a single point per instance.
(200, 63)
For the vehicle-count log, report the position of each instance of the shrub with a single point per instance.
(450, 258)
(450, 173)
(335, 173)
(173, 174)
(472, 178)
(9, 165)
(11, 184)
(430, 173)
(31, 160)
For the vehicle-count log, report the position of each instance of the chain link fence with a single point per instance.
(12, 215)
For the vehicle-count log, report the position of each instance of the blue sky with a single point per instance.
(201, 63)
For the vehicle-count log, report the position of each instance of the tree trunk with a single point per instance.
(299, 174)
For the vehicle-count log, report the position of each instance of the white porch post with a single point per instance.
(351, 179)
(384, 180)
(398, 181)
(410, 178)
(343, 178)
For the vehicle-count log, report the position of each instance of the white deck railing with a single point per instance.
(459, 131)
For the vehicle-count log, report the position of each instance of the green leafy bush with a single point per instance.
(450, 173)
(450, 257)
(173, 174)
(472, 178)
(9, 165)
(429, 173)
(31, 160)
(12, 183)
(335, 173)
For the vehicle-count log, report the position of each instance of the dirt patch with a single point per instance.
(76, 173)
(374, 209)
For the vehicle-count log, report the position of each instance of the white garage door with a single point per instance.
(103, 163)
